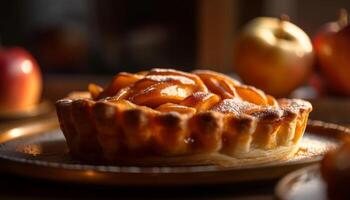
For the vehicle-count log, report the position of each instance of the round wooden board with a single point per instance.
(39, 150)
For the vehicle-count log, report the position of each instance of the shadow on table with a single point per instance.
(14, 187)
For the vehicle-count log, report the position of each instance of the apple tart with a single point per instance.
(170, 117)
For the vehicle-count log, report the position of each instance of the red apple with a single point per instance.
(274, 55)
(20, 80)
(332, 47)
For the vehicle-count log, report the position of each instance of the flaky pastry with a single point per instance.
(170, 117)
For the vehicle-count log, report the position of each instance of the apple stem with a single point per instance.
(343, 17)
(283, 18)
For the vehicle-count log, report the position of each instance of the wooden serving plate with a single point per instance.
(39, 150)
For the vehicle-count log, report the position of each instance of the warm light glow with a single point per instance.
(300, 35)
(267, 36)
(327, 50)
(32, 149)
(15, 132)
(300, 53)
(26, 66)
(174, 91)
(90, 173)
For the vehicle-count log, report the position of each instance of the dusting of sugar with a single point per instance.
(312, 145)
(167, 78)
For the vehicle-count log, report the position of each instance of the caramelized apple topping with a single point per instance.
(164, 113)
(168, 90)
(94, 90)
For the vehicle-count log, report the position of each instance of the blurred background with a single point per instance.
(77, 42)
(104, 37)
(82, 41)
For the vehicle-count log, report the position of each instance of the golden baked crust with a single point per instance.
(169, 117)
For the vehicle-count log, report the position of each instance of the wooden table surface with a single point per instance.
(14, 187)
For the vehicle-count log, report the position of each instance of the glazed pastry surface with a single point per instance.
(164, 116)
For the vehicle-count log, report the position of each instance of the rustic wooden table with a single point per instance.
(15, 187)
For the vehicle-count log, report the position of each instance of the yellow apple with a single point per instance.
(274, 55)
